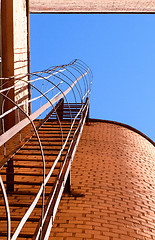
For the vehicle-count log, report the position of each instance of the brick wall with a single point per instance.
(92, 6)
(114, 169)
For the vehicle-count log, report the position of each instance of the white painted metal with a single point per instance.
(29, 119)
(19, 126)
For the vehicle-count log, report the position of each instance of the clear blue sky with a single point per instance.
(120, 50)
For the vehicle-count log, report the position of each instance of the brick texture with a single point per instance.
(92, 6)
(114, 169)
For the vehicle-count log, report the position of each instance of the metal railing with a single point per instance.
(50, 88)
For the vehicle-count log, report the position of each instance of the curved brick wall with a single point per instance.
(114, 168)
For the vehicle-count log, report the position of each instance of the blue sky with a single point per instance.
(120, 50)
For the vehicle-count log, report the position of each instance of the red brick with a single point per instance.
(114, 168)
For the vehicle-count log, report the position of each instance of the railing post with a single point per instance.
(87, 117)
(67, 188)
(60, 109)
(10, 176)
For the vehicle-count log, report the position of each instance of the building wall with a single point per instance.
(0, 63)
(15, 57)
(92, 6)
(0, 43)
(20, 37)
(21, 51)
(114, 169)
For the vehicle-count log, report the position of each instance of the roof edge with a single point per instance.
(123, 125)
(88, 12)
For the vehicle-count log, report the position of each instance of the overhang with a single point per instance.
(92, 6)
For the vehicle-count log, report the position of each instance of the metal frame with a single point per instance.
(43, 87)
